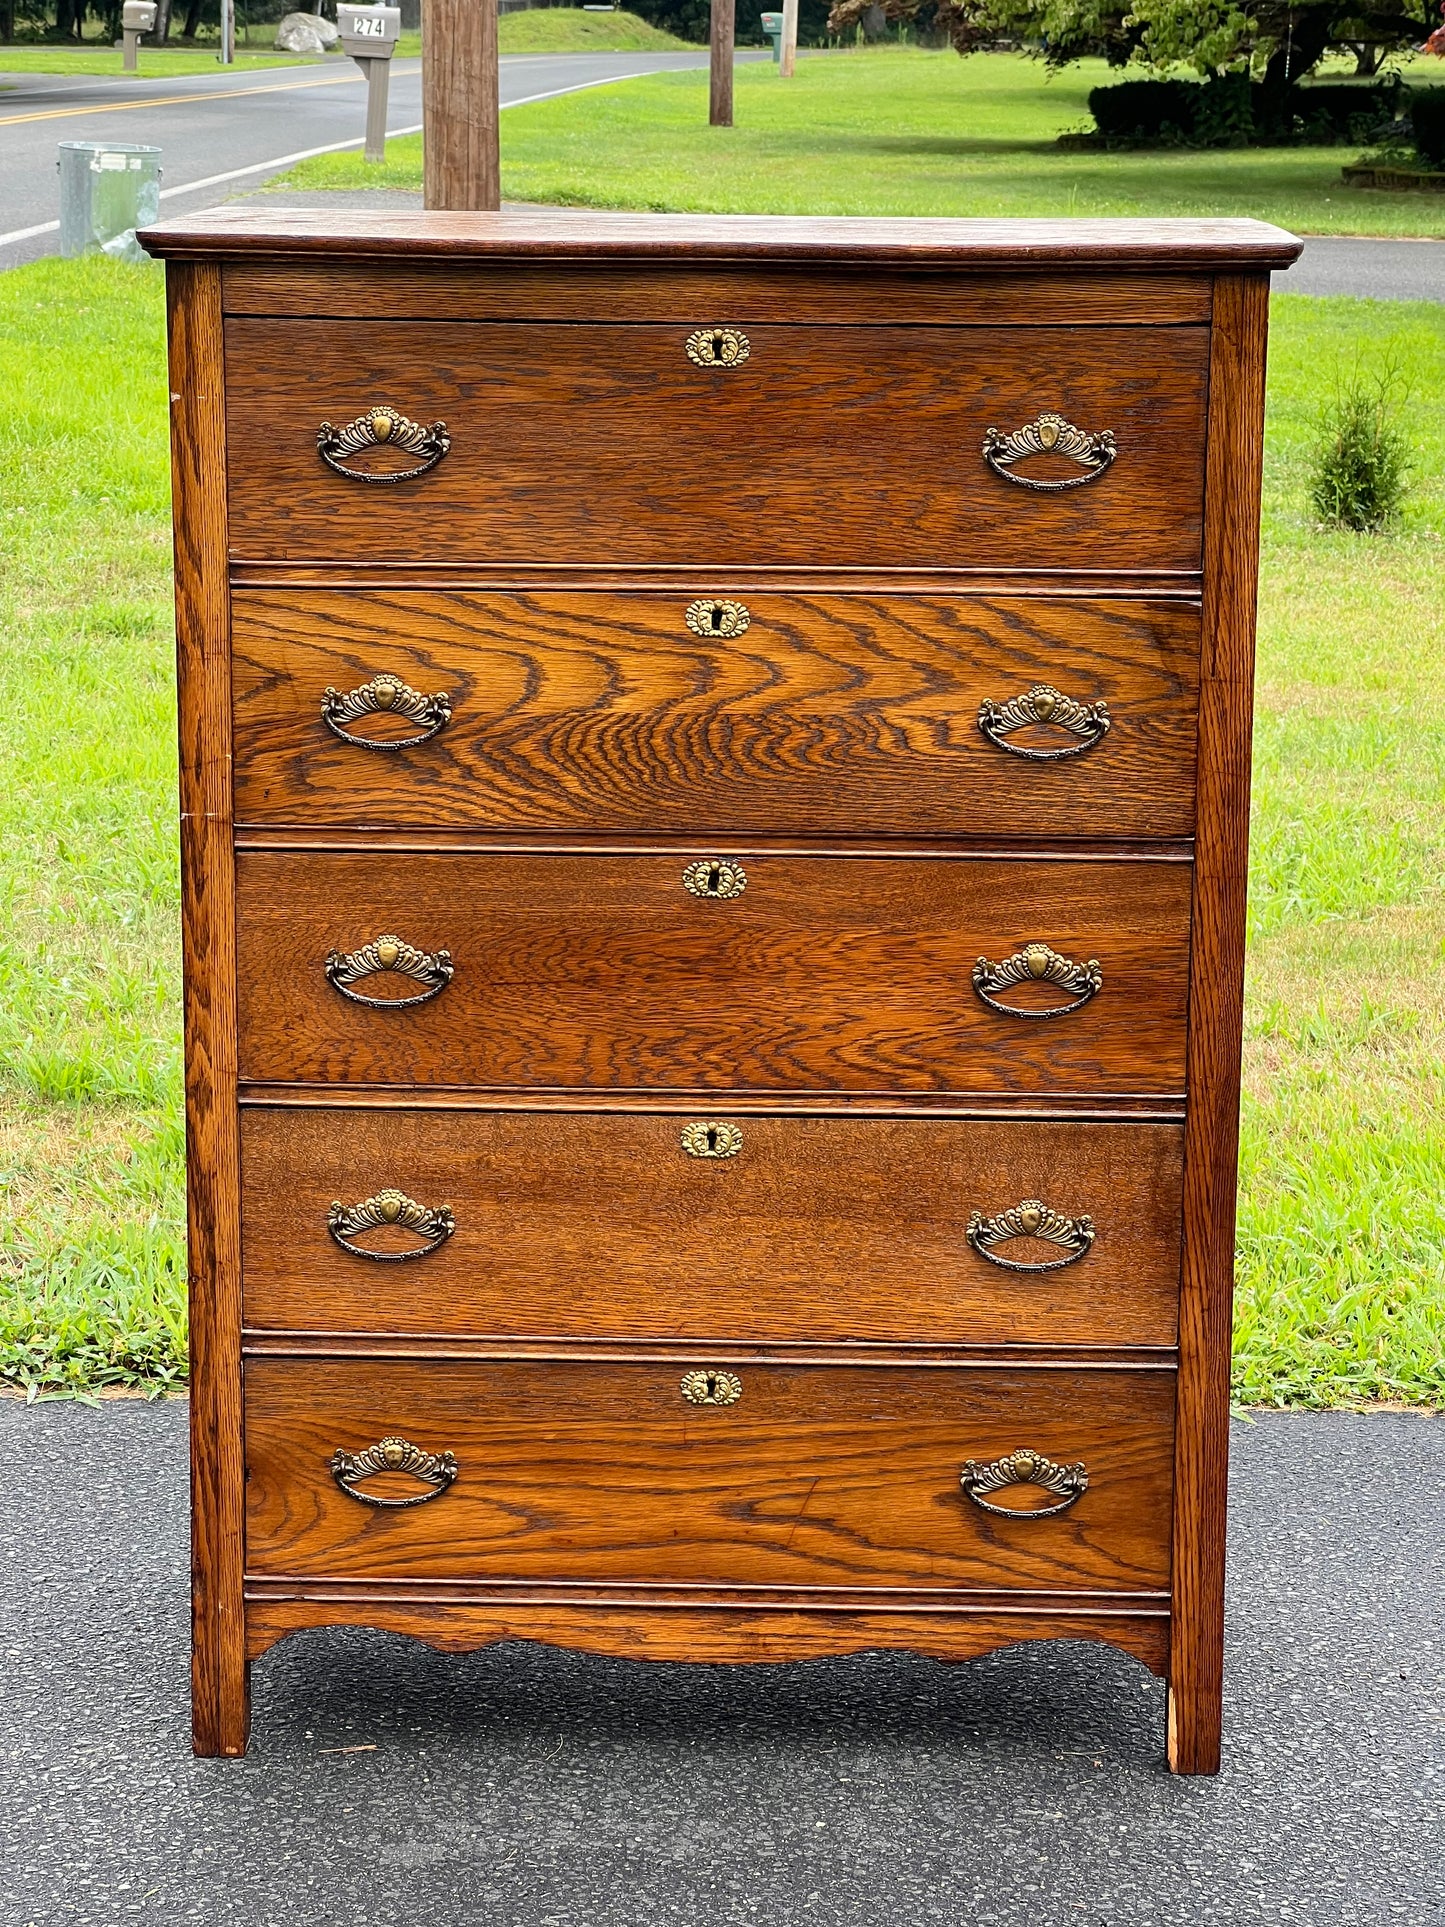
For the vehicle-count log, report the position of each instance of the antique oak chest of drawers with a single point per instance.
(714, 762)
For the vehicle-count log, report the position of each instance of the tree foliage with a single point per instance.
(1278, 41)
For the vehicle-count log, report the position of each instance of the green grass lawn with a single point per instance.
(152, 63)
(543, 30)
(894, 131)
(1342, 1228)
(567, 30)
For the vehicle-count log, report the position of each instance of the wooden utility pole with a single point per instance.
(790, 38)
(720, 42)
(462, 164)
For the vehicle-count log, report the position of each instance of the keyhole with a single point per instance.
(719, 347)
(712, 1384)
(712, 1137)
(716, 614)
(714, 879)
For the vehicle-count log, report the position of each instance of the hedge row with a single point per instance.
(1231, 110)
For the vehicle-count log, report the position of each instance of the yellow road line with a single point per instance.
(180, 100)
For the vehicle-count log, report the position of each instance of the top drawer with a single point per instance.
(591, 444)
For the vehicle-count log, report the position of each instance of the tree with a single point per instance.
(1278, 41)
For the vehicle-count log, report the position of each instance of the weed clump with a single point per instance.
(1362, 454)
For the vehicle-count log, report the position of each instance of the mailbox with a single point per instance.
(136, 17)
(368, 33)
(773, 28)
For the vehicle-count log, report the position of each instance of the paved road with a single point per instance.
(1379, 270)
(222, 133)
(520, 1787)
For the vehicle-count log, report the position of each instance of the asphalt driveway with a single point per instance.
(519, 1787)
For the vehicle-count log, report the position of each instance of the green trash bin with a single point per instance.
(107, 190)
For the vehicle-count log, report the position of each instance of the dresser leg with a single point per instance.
(220, 1706)
(1194, 1730)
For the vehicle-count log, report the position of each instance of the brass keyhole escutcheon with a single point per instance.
(718, 348)
(712, 1140)
(710, 1386)
(716, 878)
(717, 620)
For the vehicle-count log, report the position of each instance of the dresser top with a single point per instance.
(566, 234)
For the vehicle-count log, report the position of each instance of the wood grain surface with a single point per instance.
(573, 235)
(596, 1225)
(829, 1476)
(606, 712)
(603, 443)
(721, 1634)
(603, 973)
(220, 1695)
(622, 291)
(1236, 453)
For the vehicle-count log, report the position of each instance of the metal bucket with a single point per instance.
(107, 190)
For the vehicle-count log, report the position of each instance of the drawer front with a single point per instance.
(608, 712)
(601, 1469)
(636, 1225)
(604, 444)
(605, 973)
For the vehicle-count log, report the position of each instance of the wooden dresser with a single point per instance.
(714, 768)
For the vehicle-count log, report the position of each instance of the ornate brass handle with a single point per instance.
(1037, 964)
(716, 878)
(718, 348)
(385, 696)
(708, 1386)
(434, 1226)
(1043, 704)
(382, 427)
(1031, 1219)
(978, 1479)
(434, 970)
(436, 1470)
(712, 1140)
(720, 619)
(1049, 434)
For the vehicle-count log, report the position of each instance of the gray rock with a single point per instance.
(306, 33)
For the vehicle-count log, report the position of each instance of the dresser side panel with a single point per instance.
(208, 930)
(1231, 560)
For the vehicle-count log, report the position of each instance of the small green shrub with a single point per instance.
(1362, 454)
(1157, 110)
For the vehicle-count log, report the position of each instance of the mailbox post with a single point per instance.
(137, 17)
(369, 35)
(773, 28)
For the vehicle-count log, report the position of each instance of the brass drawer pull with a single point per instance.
(712, 1140)
(1031, 1219)
(434, 1226)
(718, 348)
(1044, 705)
(1049, 434)
(433, 970)
(711, 1387)
(715, 878)
(382, 427)
(436, 1470)
(720, 619)
(1037, 964)
(385, 696)
(978, 1479)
